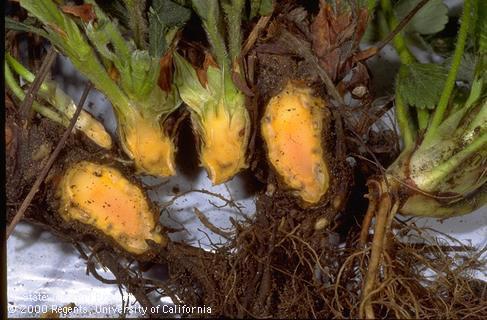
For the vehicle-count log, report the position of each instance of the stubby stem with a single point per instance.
(145, 141)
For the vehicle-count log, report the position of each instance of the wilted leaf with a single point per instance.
(359, 79)
(202, 72)
(430, 19)
(84, 11)
(324, 36)
(113, 73)
(420, 85)
(332, 34)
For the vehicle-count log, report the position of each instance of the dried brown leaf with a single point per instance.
(113, 73)
(84, 11)
(201, 72)
(165, 76)
(333, 34)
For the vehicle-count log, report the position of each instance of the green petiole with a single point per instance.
(405, 122)
(20, 94)
(12, 84)
(423, 118)
(19, 68)
(67, 37)
(137, 21)
(23, 71)
(404, 118)
(398, 41)
(440, 110)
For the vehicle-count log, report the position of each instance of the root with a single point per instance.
(384, 215)
(274, 267)
(372, 196)
(420, 277)
(204, 220)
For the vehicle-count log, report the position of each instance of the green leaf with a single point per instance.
(430, 19)
(116, 9)
(137, 21)
(420, 85)
(109, 41)
(137, 69)
(418, 41)
(191, 90)
(164, 16)
(139, 77)
(233, 13)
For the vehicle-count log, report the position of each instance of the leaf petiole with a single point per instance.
(20, 94)
(404, 121)
(440, 110)
(423, 118)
